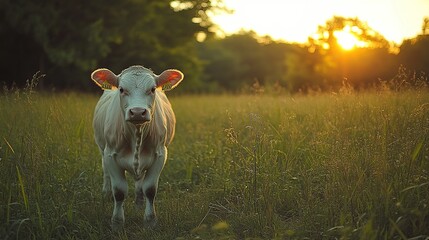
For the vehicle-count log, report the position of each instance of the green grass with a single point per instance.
(350, 166)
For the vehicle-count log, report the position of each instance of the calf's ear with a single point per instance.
(169, 79)
(105, 78)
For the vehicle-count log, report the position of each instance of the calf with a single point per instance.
(133, 125)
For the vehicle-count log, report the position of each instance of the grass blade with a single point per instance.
(417, 151)
(398, 230)
(21, 183)
(8, 144)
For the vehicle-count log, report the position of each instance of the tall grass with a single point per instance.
(351, 166)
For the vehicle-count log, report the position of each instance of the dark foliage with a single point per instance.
(67, 40)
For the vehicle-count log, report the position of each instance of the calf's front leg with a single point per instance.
(150, 186)
(119, 189)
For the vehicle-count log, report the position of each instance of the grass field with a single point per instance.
(331, 166)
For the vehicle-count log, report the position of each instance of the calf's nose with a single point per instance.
(137, 115)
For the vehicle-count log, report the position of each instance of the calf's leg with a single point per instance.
(139, 200)
(150, 186)
(107, 188)
(119, 190)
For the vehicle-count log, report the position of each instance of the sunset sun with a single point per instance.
(348, 39)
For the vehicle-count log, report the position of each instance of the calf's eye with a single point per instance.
(153, 90)
(121, 90)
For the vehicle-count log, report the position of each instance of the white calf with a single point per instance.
(133, 125)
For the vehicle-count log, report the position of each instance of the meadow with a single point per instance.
(323, 166)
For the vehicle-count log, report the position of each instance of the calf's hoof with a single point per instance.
(150, 221)
(117, 224)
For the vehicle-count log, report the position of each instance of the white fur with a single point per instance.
(116, 139)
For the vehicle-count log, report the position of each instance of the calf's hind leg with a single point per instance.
(139, 200)
(107, 188)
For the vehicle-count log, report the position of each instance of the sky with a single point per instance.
(296, 20)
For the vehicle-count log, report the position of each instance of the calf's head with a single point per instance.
(137, 87)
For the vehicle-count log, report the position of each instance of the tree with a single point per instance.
(425, 26)
(240, 60)
(351, 50)
(328, 37)
(301, 74)
(414, 52)
(223, 69)
(68, 39)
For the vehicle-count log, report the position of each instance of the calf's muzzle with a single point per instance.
(137, 115)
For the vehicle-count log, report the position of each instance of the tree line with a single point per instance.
(66, 40)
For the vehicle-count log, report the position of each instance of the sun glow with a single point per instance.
(295, 21)
(347, 38)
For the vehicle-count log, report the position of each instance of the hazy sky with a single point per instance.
(296, 20)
